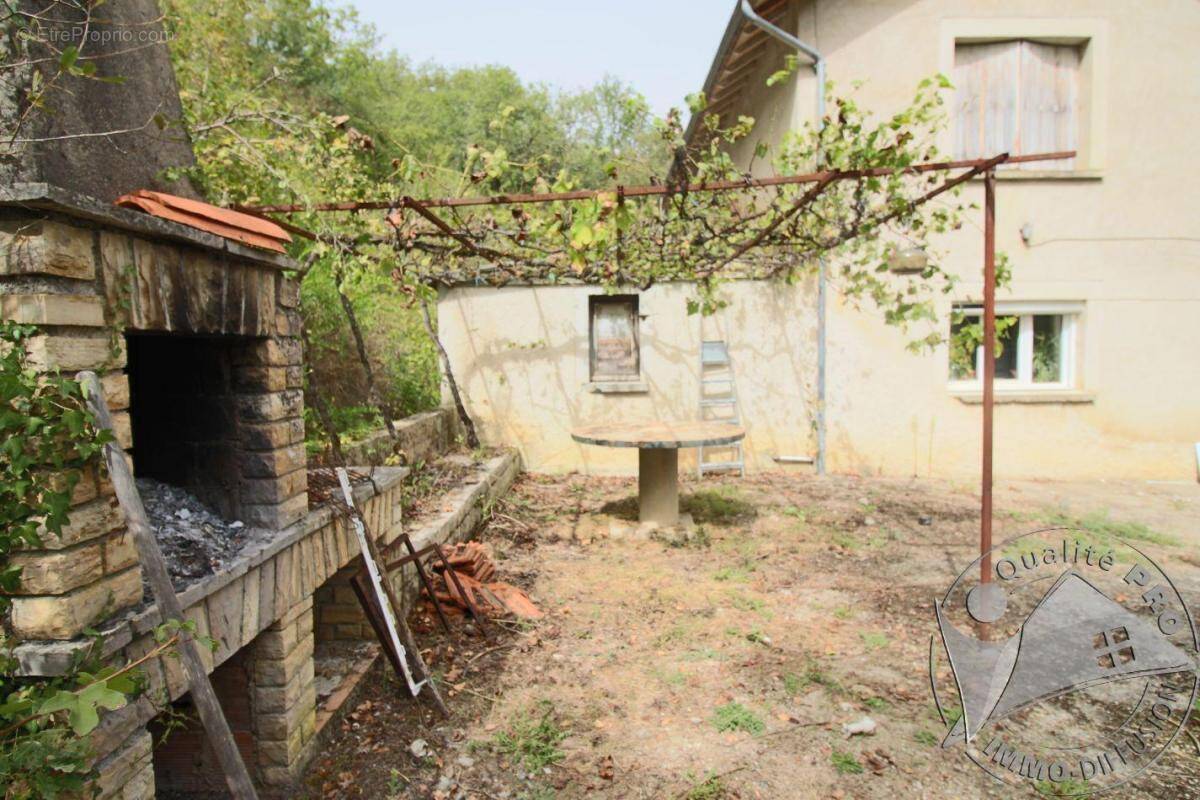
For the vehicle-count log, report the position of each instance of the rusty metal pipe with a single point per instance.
(989, 371)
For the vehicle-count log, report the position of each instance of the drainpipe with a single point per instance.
(818, 65)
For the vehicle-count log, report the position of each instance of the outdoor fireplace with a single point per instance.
(184, 418)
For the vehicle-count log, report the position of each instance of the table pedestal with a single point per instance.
(658, 485)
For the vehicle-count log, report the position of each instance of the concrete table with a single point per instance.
(658, 446)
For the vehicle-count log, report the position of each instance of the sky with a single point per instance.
(663, 48)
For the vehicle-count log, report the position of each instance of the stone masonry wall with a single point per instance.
(84, 285)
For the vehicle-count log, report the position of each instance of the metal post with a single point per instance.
(989, 370)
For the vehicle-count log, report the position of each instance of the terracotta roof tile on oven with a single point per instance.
(235, 225)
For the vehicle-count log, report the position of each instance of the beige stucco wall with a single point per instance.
(521, 357)
(1118, 236)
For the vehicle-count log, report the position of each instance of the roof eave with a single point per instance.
(732, 31)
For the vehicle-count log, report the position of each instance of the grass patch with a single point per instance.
(736, 717)
(926, 738)
(674, 635)
(720, 506)
(1066, 788)
(793, 683)
(670, 677)
(874, 640)
(532, 738)
(740, 573)
(711, 788)
(743, 603)
(875, 703)
(845, 763)
(1105, 529)
(814, 674)
(843, 613)
(796, 513)
(845, 541)
(704, 654)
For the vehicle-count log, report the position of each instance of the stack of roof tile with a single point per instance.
(474, 568)
(244, 228)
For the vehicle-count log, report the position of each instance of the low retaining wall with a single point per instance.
(418, 438)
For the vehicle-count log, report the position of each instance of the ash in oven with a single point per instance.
(194, 541)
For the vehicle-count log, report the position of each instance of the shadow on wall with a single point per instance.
(521, 356)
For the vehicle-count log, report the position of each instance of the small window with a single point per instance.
(615, 348)
(1034, 345)
(1017, 97)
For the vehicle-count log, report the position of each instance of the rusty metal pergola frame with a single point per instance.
(972, 168)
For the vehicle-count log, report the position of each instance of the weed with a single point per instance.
(670, 677)
(874, 640)
(843, 613)
(758, 637)
(926, 738)
(672, 635)
(793, 683)
(1106, 529)
(952, 715)
(703, 654)
(711, 788)
(844, 541)
(743, 603)
(875, 703)
(720, 506)
(796, 513)
(1070, 787)
(538, 793)
(396, 783)
(736, 717)
(814, 673)
(533, 738)
(739, 574)
(845, 763)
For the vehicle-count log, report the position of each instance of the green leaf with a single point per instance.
(70, 55)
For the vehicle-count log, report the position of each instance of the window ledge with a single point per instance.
(618, 387)
(1046, 175)
(1062, 397)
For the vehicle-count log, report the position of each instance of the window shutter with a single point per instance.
(1016, 97)
(986, 80)
(1049, 101)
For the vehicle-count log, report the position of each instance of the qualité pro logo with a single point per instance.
(1074, 666)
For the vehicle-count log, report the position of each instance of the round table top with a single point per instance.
(659, 435)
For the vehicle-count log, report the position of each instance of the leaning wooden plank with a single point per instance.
(155, 568)
(389, 604)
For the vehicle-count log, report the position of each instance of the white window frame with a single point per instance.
(1025, 312)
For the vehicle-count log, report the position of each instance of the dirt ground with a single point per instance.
(724, 666)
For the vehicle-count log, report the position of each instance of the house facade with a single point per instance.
(1098, 375)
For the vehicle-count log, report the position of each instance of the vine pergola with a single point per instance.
(766, 228)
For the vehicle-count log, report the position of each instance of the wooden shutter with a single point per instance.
(986, 77)
(614, 338)
(1049, 101)
(1016, 96)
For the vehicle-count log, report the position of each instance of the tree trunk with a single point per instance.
(361, 345)
(468, 423)
(322, 409)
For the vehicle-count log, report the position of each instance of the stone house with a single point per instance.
(1097, 376)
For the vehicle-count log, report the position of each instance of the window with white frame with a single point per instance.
(1017, 96)
(1035, 345)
